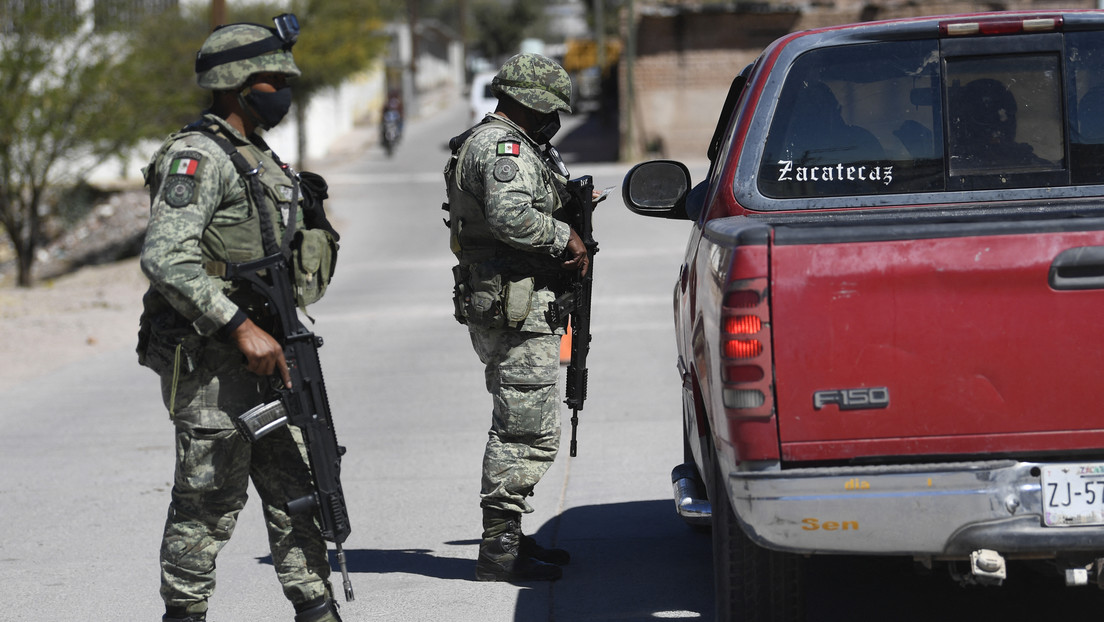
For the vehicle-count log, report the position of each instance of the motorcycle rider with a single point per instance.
(391, 120)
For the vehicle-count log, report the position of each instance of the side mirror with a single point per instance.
(658, 189)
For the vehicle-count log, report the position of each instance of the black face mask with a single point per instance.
(268, 108)
(547, 126)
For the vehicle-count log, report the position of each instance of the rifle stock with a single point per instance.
(305, 405)
(575, 304)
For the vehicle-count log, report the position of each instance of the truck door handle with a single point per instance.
(1078, 268)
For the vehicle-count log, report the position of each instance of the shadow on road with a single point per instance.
(630, 561)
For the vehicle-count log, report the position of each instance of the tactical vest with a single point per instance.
(274, 199)
(469, 235)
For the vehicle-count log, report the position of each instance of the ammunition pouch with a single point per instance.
(484, 296)
(313, 259)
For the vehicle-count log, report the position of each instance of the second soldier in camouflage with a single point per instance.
(512, 248)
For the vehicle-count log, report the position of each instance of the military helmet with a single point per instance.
(534, 81)
(233, 53)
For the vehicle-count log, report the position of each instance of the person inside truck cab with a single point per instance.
(819, 134)
(983, 128)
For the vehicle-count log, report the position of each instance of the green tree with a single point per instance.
(57, 117)
(339, 39)
(74, 96)
(158, 76)
(498, 27)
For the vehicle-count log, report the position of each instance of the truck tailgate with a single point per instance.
(939, 339)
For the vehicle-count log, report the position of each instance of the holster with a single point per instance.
(164, 340)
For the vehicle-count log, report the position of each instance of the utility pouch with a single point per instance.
(313, 258)
(517, 298)
(485, 297)
(482, 302)
(258, 421)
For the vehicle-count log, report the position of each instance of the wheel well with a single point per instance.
(705, 440)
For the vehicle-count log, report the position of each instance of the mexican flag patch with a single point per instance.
(509, 147)
(183, 166)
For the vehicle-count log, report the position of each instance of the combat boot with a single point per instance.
(180, 614)
(500, 555)
(530, 548)
(321, 609)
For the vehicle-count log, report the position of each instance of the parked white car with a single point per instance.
(482, 101)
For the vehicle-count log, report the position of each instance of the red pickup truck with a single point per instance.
(890, 317)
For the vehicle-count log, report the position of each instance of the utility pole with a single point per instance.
(600, 34)
(628, 96)
(462, 21)
(411, 98)
(412, 7)
(218, 13)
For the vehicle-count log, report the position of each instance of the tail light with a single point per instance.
(745, 350)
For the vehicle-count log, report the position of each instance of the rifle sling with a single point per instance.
(255, 195)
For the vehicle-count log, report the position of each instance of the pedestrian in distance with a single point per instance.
(507, 230)
(219, 195)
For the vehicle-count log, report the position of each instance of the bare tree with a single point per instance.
(57, 115)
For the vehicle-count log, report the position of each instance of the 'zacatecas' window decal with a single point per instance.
(837, 172)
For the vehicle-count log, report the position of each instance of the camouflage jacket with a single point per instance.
(501, 168)
(503, 207)
(200, 215)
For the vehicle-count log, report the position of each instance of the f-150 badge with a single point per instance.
(852, 399)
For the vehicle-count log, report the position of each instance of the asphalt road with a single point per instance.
(86, 451)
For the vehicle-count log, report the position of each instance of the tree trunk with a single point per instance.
(24, 257)
(25, 240)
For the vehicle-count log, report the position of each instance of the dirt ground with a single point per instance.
(69, 319)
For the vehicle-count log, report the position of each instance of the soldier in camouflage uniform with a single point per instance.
(504, 203)
(211, 341)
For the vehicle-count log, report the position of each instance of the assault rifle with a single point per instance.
(574, 305)
(304, 405)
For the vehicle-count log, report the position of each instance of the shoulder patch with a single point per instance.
(505, 170)
(181, 177)
(179, 190)
(508, 147)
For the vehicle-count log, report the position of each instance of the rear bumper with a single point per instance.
(946, 509)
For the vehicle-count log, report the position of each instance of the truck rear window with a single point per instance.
(929, 116)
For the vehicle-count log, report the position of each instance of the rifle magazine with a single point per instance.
(258, 421)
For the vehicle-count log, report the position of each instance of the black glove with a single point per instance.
(315, 191)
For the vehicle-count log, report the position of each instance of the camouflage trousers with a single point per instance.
(214, 465)
(521, 372)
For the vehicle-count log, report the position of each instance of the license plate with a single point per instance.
(1073, 494)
